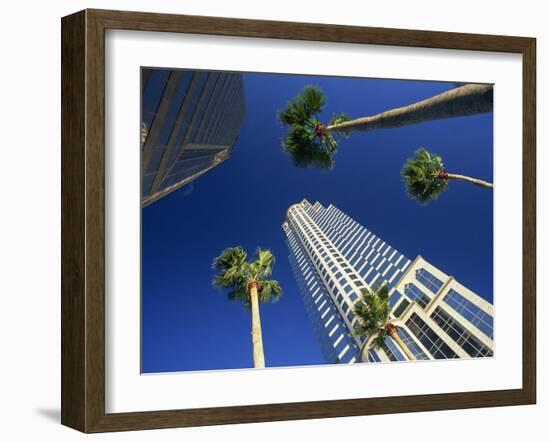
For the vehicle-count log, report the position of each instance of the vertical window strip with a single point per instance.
(411, 344)
(428, 280)
(416, 295)
(429, 338)
(471, 312)
(465, 339)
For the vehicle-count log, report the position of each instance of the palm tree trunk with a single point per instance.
(257, 344)
(393, 334)
(477, 181)
(465, 100)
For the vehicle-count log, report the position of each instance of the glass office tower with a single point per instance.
(190, 122)
(333, 258)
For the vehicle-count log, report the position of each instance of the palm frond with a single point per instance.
(270, 291)
(232, 273)
(313, 98)
(240, 294)
(301, 109)
(236, 274)
(305, 149)
(379, 341)
(306, 142)
(222, 281)
(229, 258)
(421, 176)
(262, 266)
(372, 311)
(266, 259)
(293, 114)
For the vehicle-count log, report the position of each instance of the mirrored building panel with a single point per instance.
(190, 121)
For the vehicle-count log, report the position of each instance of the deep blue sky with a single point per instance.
(189, 325)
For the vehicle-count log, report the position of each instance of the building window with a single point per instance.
(396, 258)
(373, 356)
(383, 267)
(377, 282)
(365, 270)
(416, 295)
(377, 261)
(393, 274)
(471, 312)
(401, 308)
(429, 338)
(394, 297)
(467, 341)
(391, 350)
(411, 344)
(428, 280)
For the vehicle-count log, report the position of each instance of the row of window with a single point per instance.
(415, 294)
(322, 260)
(312, 295)
(465, 339)
(428, 280)
(474, 314)
(336, 343)
(429, 338)
(345, 304)
(378, 270)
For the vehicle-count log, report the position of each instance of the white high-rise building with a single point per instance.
(334, 257)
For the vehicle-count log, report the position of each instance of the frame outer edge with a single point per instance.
(95, 222)
(83, 218)
(73, 256)
(529, 222)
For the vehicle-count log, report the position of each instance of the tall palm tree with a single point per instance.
(311, 142)
(374, 321)
(425, 177)
(249, 283)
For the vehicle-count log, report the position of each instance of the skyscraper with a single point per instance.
(190, 122)
(333, 258)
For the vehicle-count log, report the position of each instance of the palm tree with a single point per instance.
(425, 177)
(373, 313)
(306, 142)
(310, 142)
(249, 283)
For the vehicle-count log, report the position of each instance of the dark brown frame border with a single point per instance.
(83, 216)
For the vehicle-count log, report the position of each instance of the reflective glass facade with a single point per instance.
(333, 258)
(190, 122)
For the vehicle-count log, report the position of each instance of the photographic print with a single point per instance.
(301, 220)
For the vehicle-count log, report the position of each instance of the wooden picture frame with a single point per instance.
(83, 220)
